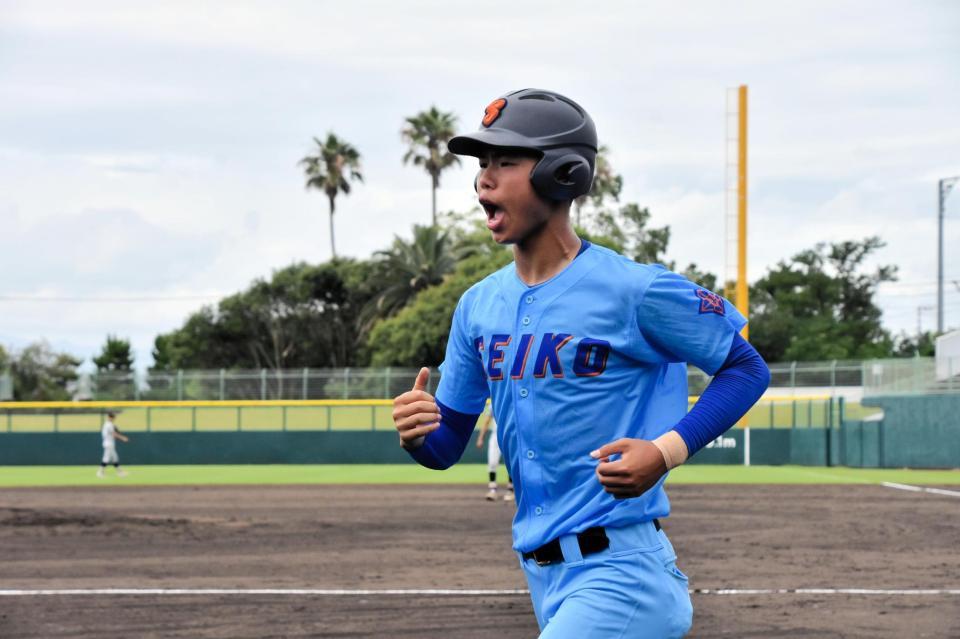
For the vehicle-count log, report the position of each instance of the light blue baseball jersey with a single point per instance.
(594, 354)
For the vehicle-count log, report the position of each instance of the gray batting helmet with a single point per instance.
(548, 123)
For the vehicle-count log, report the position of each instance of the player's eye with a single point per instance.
(483, 164)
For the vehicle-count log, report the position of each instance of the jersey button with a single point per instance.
(529, 299)
(525, 321)
(524, 392)
(531, 454)
(538, 510)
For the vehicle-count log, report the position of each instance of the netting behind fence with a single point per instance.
(874, 377)
(365, 383)
(300, 384)
(918, 375)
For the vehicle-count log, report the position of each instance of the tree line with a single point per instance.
(394, 308)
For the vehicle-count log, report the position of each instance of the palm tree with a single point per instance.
(427, 134)
(331, 170)
(407, 268)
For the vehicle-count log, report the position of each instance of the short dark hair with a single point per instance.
(111, 414)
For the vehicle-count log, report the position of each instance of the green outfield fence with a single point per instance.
(158, 416)
(916, 431)
(323, 415)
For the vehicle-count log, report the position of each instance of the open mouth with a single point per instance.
(494, 213)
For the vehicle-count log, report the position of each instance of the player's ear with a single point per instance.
(476, 181)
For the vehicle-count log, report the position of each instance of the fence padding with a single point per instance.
(919, 431)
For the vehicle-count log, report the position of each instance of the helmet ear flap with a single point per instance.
(572, 173)
(562, 177)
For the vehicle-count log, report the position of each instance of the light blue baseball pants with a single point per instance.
(632, 589)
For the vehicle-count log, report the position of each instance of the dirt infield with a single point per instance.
(419, 537)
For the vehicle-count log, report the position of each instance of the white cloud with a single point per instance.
(98, 250)
(153, 148)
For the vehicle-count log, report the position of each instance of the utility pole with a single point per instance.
(920, 310)
(945, 185)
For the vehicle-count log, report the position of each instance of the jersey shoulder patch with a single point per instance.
(710, 302)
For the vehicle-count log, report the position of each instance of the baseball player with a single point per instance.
(109, 434)
(493, 458)
(583, 355)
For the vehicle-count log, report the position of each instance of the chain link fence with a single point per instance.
(386, 383)
(264, 384)
(914, 376)
(813, 377)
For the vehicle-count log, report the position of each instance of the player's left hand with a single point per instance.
(639, 467)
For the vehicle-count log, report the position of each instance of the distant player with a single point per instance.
(493, 458)
(583, 354)
(109, 434)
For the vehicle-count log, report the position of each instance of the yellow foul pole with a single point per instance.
(743, 300)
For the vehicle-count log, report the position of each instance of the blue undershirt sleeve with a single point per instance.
(736, 386)
(444, 447)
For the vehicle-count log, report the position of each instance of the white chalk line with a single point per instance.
(330, 592)
(888, 484)
(826, 591)
(325, 592)
(921, 489)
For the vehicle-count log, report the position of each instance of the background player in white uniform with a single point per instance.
(582, 353)
(109, 434)
(493, 457)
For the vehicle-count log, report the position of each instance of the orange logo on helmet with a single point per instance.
(493, 110)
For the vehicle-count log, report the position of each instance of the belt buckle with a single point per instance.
(543, 558)
(542, 562)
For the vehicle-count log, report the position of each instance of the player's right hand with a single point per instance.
(415, 413)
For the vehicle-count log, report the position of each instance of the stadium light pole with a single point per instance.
(945, 186)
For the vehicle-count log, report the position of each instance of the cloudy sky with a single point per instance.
(148, 151)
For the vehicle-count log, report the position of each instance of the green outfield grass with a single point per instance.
(25, 476)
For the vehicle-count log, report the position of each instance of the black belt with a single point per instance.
(590, 541)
